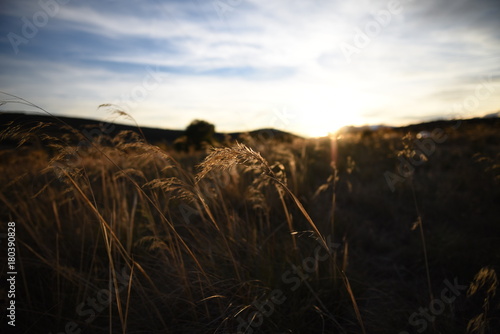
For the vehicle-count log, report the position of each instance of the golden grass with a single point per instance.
(203, 237)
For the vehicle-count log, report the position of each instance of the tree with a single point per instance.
(196, 135)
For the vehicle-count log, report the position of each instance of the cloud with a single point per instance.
(236, 65)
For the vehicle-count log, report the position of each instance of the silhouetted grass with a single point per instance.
(199, 242)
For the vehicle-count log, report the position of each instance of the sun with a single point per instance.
(324, 110)
(322, 129)
(321, 121)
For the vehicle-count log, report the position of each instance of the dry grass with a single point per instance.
(193, 243)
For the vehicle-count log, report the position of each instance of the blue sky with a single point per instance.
(308, 67)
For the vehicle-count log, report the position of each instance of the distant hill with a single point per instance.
(81, 124)
(91, 127)
(492, 118)
(58, 127)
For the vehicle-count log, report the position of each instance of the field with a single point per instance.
(369, 231)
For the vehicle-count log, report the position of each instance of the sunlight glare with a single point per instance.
(325, 114)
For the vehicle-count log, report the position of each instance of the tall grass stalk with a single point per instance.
(420, 225)
(226, 158)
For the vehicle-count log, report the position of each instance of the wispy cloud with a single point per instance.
(235, 65)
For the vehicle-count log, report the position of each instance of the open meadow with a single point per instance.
(392, 230)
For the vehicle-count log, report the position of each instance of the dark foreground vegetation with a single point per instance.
(384, 231)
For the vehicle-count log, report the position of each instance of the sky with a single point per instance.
(308, 67)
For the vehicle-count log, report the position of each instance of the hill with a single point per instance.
(60, 126)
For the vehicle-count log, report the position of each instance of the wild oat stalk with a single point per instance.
(409, 153)
(228, 157)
